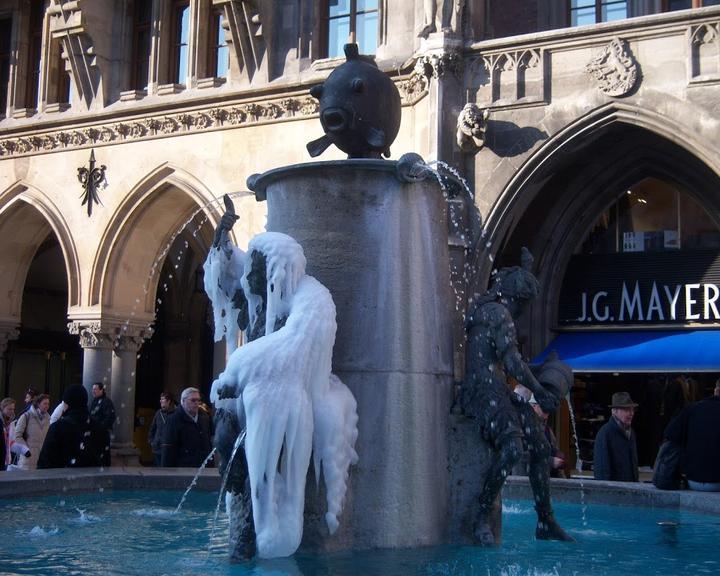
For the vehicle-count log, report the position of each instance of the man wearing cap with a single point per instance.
(615, 445)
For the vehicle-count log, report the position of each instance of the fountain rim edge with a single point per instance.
(258, 183)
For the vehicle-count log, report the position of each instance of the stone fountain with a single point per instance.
(375, 233)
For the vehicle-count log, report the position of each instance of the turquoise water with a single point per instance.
(130, 533)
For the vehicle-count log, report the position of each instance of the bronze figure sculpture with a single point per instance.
(504, 419)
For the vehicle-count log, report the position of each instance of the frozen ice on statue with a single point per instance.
(282, 387)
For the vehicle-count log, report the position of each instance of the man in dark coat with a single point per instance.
(102, 412)
(188, 433)
(74, 441)
(697, 432)
(615, 445)
(157, 428)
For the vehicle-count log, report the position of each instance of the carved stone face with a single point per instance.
(257, 277)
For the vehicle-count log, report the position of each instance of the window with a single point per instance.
(37, 14)
(652, 216)
(142, 17)
(181, 34)
(219, 52)
(5, 33)
(351, 21)
(670, 5)
(584, 12)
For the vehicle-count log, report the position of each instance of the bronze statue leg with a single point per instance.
(539, 471)
(509, 449)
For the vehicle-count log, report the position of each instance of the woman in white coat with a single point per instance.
(30, 430)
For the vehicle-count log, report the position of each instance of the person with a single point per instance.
(556, 462)
(102, 412)
(188, 433)
(7, 409)
(697, 432)
(505, 420)
(76, 440)
(157, 428)
(31, 429)
(30, 395)
(615, 454)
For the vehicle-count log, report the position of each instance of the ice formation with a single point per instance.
(223, 277)
(292, 405)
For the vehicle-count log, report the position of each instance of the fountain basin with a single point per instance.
(136, 533)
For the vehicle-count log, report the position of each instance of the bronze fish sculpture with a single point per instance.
(359, 109)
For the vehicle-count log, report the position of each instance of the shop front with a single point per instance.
(639, 311)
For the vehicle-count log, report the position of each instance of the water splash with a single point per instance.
(453, 174)
(238, 442)
(194, 480)
(583, 504)
(86, 518)
(40, 532)
(157, 264)
(153, 512)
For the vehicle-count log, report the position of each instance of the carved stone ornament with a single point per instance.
(471, 126)
(437, 65)
(614, 69)
(33, 141)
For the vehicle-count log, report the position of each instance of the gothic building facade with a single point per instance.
(593, 141)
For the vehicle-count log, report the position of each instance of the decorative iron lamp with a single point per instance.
(90, 178)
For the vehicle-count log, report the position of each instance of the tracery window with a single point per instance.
(351, 21)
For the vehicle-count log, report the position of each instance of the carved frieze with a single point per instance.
(614, 69)
(436, 65)
(412, 88)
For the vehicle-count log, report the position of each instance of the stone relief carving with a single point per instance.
(412, 88)
(471, 125)
(437, 65)
(614, 69)
(705, 52)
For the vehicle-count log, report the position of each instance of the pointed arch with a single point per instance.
(27, 216)
(551, 202)
(576, 136)
(126, 270)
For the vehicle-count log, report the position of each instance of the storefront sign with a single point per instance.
(657, 288)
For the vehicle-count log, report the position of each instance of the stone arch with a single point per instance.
(27, 216)
(126, 270)
(555, 197)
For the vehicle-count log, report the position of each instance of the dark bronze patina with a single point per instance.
(359, 109)
(506, 420)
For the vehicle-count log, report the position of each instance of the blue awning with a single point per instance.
(638, 351)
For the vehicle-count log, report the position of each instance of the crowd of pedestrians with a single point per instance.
(78, 432)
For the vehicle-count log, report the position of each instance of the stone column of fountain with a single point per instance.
(377, 239)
